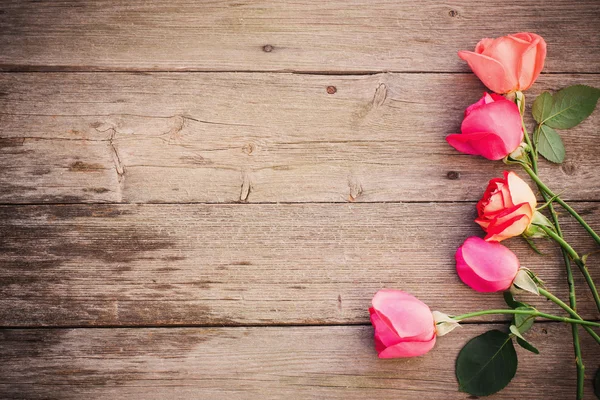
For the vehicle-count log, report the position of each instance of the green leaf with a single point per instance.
(511, 302)
(524, 281)
(524, 322)
(541, 107)
(550, 145)
(515, 331)
(532, 245)
(527, 346)
(597, 383)
(486, 364)
(570, 106)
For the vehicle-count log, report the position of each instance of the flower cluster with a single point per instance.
(493, 127)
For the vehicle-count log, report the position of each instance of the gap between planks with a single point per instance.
(53, 69)
(243, 325)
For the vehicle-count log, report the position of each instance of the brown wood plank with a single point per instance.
(337, 35)
(83, 265)
(221, 137)
(267, 363)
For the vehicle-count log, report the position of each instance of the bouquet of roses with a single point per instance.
(494, 128)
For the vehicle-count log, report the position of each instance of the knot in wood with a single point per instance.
(453, 175)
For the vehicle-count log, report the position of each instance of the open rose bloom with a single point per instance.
(506, 208)
(508, 63)
(491, 128)
(486, 266)
(404, 325)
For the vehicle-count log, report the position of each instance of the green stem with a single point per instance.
(569, 310)
(533, 313)
(578, 261)
(570, 281)
(572, 301)
(560, 201)
(533, 157)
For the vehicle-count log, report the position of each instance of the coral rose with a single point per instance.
(508, 63)
(491, 128)
(404, 325)
(506, 208)
(486, 266)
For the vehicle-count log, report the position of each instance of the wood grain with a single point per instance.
(266, 363)
(222, 137)
(310, 36)
(107, 265)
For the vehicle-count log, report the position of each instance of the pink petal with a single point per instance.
(486, 144)
(489, 71)
(408, 349)
(384, 335)
(508, 51)
(485, 266)
(485, 99)
(405, 314)
(501, 118)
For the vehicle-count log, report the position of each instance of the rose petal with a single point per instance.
(491, 72)
(408, 349)
(495, 204)
(511, 228)
(508, 51)
(490, 262)
(405, 314)
(501, 118)
(520, 191)
(384, 335)
(485, 99)
(486, 144)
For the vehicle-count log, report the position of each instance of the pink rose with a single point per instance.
(404, 325)
(491, 128)
(508, 63)
(486, 266)
(506, 208)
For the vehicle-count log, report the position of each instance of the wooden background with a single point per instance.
(199, 199)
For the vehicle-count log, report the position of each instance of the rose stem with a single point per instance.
(568, 309)
(533, 313)
(567, 260)
(560, 201)
(578, 261)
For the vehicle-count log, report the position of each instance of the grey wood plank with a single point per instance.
(90, 265)
(224, 137)
(338, 35)
(267, 363)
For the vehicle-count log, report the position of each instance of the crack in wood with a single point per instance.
(246, 187)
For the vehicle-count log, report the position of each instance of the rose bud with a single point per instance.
(486, 266)
(506, 208)
(491, 128)
(508, 63)
(404, 325)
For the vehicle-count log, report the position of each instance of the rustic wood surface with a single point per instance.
(245, 264)
(199, 199)
(261, 363)
(267, 35)
(222, 137)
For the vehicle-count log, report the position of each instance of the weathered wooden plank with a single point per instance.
(338, 35)
(255, 138)
(266, 363)
(246, 264)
